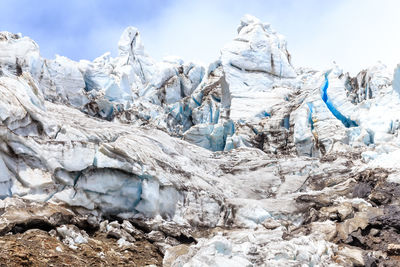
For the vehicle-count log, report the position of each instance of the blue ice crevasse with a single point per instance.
(310, 120)
(324, 90)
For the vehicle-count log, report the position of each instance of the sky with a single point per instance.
(353, 33)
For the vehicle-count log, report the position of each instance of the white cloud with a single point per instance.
(354, 33)
(359, 33)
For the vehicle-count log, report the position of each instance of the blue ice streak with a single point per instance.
(346, 121)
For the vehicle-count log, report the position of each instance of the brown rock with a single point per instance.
(354, 255)
(393, 249)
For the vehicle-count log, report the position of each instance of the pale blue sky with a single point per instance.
(354, 33)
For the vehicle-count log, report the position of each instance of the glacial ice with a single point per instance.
(250, 65)
(396, 80)
(246, 144)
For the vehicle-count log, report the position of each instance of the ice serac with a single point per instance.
(244, 89)
(68, 80)
(246, 162)
(19, 54)
(132, 60)
(396, 79)
(252, 62)
(249, 89)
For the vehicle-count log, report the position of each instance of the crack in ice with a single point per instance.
(346, 121)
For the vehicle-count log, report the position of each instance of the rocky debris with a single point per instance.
(173, 253)
(270, 224)
(71, 235)
(37, 233)
(366, 227)
(394, 249)
(19, 215)
(353, 256)
(37, 248)
(115, 230)
(326, 228)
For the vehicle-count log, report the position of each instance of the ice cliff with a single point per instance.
(248, 161)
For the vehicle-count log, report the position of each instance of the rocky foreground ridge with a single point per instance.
(247, 162)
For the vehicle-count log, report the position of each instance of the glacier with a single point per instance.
(248, 161)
